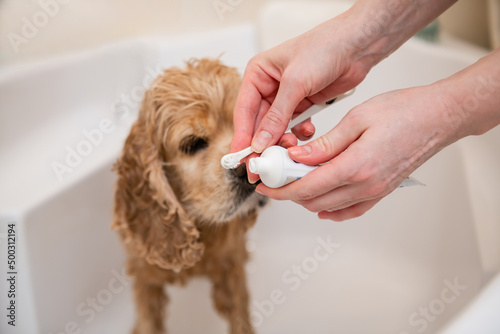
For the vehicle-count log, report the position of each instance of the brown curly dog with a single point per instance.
(177, 211)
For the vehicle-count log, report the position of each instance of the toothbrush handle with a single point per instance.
(315, 109)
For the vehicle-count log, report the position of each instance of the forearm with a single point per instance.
(473, 98)
(322, 63)
(378, 27)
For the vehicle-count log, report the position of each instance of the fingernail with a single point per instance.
(299, 151)
(261, 141)
(286, 143)
(308, 132)
(252, 178)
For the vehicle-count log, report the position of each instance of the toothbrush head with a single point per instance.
(233, 160)
(229, 162)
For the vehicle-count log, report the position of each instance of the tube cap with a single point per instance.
(258, 165)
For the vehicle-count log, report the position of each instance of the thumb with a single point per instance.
(326, 147)
(275, 121)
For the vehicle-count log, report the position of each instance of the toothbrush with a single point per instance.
(232, 160)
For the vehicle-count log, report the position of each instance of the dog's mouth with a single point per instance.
(243, 189)
(241, 184)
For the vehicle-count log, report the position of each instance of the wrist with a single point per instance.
(378, 27)
(474, 97)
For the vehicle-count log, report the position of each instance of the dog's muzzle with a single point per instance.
(242, 187)
(241, 177)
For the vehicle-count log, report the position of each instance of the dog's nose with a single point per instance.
(240, 174)
(240, 171)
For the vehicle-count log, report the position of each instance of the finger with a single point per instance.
(288, 140)
(256, 86)
(316, 183)
(245, 110)
(353, 211)
(339, 86)
(276, 120)
(305, 130)
(252, 178)
(331, 144)
(264, 107)
(336, 199)
(303, 105)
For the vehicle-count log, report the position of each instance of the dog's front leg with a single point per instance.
(150, 303)
(230, 296)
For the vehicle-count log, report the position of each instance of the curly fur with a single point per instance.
(178, 213)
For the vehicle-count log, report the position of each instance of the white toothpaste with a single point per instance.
(276, 168)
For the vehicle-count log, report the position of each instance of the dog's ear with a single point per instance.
(148, 215)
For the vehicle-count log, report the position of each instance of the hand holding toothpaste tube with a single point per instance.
(377, 144)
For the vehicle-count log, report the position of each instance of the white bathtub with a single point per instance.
(410, 265)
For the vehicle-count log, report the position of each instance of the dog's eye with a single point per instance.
(192, 144)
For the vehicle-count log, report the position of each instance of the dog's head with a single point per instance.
(170, 177)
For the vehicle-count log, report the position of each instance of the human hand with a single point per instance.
(370, 152)
(285, 80)
(320, 64)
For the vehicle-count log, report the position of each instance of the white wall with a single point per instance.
(468, 19)
(34, 29)
(76, 24)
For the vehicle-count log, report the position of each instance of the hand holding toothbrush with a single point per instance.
(377, 144)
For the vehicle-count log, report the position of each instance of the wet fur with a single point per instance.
(178, 212)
